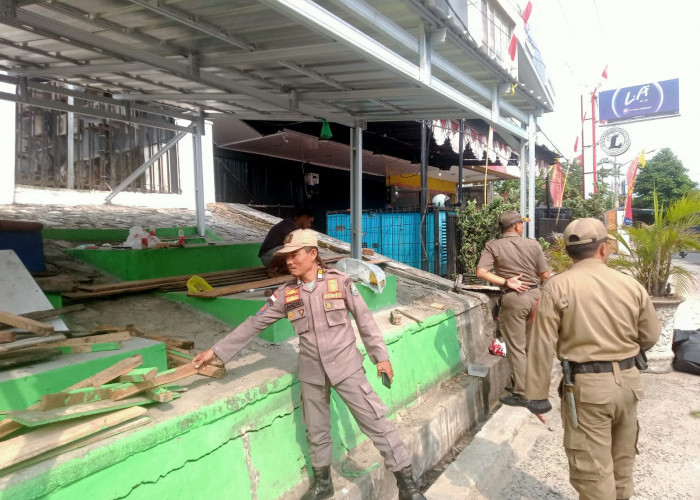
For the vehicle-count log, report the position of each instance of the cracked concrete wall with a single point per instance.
(249, 445)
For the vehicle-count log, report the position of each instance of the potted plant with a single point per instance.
(650, 251)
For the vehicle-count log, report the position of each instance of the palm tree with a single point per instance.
(652, 246)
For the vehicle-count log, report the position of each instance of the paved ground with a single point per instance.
(532, 464)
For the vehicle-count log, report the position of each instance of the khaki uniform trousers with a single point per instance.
(515, 323)
(369, 413)
(601, 449)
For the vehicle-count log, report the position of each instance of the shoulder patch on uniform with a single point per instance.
(262, 309)
(354, 290)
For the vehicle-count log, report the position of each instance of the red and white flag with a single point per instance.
(513, 45)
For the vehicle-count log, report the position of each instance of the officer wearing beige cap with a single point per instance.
(597, 320)
(317, 304)
(519, 266)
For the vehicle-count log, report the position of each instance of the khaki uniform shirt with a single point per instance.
(511, 255)
(327, 343)
(588, 313)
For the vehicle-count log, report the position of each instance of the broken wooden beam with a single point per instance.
(166, 377)
(139, 375)
(34, 418)
(26, 446)
(108, 374)
(30, 343)
(28, 324)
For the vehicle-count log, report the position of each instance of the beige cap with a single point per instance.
(298, 239)
(509, 218)
(585, 230)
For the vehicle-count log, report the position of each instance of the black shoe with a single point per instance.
(514, 400)
(321, 486)
(407, 488)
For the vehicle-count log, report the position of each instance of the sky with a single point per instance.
(640, 41)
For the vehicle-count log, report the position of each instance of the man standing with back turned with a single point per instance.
(597, 320)
(317, 304)
(519, 265)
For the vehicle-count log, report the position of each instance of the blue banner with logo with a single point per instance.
(649, 100)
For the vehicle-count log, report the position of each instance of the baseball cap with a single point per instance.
(298, 239)
(510, 217)
(585, 230)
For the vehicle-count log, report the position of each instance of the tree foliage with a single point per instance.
(478, 225)
(665, 174)
(652, 246)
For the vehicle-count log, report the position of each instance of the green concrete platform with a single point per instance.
(23, 386)
(128, 264)
(113, 236)
(233, 310)
(245, 428)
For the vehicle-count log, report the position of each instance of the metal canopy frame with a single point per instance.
(348, 61)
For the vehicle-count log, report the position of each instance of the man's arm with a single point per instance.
(244, 333)
(543, 339)
(648, 326)
(513, 282)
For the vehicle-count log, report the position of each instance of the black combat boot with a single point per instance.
(321, 486)
(407, 488)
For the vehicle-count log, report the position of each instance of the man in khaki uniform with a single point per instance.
(519, 265)
(317, 304)
(597, 319)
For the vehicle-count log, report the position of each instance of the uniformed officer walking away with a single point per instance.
(519, 265)
(596, 319)
(317, 304)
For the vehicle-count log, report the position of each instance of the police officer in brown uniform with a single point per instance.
(317, 304)
(596, 319)
(519, 265)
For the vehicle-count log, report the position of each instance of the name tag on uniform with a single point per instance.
(335, 295)
(293, 305)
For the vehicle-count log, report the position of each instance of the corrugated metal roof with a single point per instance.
(345, 60)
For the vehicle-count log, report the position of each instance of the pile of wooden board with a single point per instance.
(107, 403)
(168, 284)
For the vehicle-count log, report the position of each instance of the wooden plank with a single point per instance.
(167, 377)
(93, 339)
(169, 341)
(8, 426)
(34, 418)
(7, 336)
(160, 395)
(52, 313)
(77, 397)
(31, 325)
(27, 343)
(91, 347)
(162, 378)
(108, 374)
(229, 290)
(107, 433)
(156, 282)
(139, 375)
(20, 448)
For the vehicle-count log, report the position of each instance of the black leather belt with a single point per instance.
(600, 366)
(511, 290)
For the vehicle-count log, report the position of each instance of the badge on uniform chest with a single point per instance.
(291, 315)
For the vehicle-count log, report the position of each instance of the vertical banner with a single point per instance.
(556, 185)
(631, 176)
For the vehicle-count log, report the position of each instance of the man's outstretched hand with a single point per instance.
(203, 359)
(385, 366)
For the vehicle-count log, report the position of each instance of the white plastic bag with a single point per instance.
(365, 273)
(136, 237)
